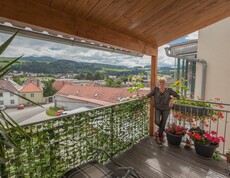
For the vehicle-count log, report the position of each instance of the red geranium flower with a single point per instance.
(213, 132)
(206, 138)
(197, 136)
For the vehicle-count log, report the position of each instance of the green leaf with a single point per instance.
(6, 43)
(6, 67)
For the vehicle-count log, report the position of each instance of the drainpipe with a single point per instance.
(204, 70)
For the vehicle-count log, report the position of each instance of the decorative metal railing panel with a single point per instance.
(62, 143)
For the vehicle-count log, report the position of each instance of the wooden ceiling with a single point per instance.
(137, 25)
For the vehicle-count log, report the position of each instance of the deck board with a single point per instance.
(153, 161)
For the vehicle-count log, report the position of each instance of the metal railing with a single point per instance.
(213, 118)
(59, 144)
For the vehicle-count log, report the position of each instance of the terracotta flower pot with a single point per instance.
(173, 139)
(205, 150)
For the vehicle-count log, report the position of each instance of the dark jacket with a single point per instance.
(161, 100)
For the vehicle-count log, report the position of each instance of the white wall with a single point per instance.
(214, 48)
(7, 99)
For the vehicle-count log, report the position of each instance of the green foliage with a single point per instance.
(180, 87)
(52, 111)
(59, 144)
(48, 89)
(90, 71)
(109, 82)
(137, 83)
(6, 122)
(18, 80)
(217, 156)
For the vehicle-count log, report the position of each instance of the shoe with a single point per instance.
(159, 141)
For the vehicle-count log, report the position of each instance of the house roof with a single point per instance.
(134, 25)
(107, 94)
(30, 87)
(59, 84)
(31, 80)
(90, 100)
(5, 84)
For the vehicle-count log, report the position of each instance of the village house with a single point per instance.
(7, 97)
(31, 92)
(74, 96)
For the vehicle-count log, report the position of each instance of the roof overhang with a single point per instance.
(135, 26)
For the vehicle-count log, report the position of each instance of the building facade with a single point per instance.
(8, 98)
(31, 92)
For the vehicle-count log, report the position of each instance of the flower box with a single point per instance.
(194, 110)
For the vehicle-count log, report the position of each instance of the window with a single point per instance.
(32, 95)
(11, 94)
(24, 95)
(1, 102)
(11, 101)
(1, 94)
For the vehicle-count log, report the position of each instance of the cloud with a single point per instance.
(39, 48)
(192, 36)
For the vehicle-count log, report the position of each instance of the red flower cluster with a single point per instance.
(176, 129)
(206, 137)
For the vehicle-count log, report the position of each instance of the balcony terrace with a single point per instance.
(132, 27)
(52, 147)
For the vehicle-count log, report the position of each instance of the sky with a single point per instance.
(37, 48)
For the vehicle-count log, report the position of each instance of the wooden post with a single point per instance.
(153, 84)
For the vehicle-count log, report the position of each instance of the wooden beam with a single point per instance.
(153, 84)
(33, 14)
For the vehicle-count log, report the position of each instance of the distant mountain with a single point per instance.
(41, 59)
(43, 65)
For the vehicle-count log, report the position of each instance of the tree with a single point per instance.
(48, 89)
(137, 83)
(18, 80)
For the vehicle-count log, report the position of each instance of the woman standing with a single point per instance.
(163, 102)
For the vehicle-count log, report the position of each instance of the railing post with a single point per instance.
(153, 84)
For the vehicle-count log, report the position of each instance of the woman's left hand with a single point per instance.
(171, 102)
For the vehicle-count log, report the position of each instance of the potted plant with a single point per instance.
(205, 142)
(175, 133)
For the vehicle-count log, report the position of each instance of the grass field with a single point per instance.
(52, 111)
(5, 61)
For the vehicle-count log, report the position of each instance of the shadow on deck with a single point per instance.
(151, 160)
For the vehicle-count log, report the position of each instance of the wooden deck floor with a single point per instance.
(151, 160)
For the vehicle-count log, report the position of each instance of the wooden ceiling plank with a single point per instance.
(55, 21)
(166, 14)
(127, 7)
(110, 12)
(97, 10)
(132, 16)
(182, 23)
(176, 19)
(144, 19)
(198, 24)
(44, 2)
(86, 8)
(72, 6)
(59, 4)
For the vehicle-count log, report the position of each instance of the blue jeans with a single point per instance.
(161, 117)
